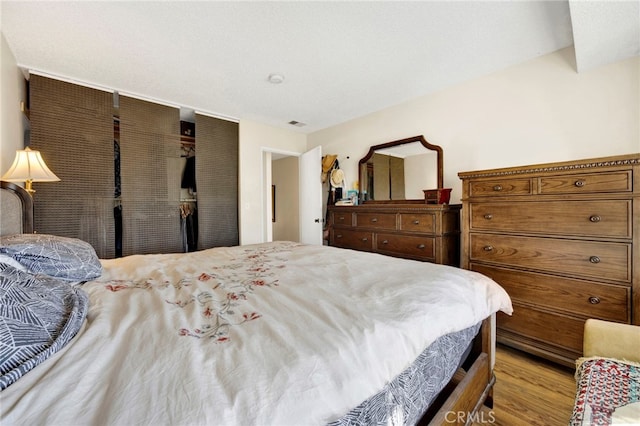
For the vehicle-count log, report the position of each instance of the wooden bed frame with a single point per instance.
(471, 387)
(457, 404)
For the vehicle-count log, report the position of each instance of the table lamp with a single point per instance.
(28, 167)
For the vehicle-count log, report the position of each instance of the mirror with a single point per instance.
(400, 171)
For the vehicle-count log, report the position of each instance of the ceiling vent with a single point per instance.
(275, 78)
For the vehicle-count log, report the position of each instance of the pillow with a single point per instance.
(39, 315)
(12, 262)
(61, 257)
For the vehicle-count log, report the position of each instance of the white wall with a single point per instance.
(537, 112)
(255, 138)
(417, 177)
(12, 92)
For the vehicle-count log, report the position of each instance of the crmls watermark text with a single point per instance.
(462, 417)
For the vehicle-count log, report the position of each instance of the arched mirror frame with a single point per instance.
(374, 148)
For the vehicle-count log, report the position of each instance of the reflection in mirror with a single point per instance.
(400, 170)
(400, 173)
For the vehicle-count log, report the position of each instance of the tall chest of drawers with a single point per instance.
(427, 232)
(563, 239)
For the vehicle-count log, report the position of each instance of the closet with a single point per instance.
(73, 128)
(122, 166)
(149, 154)
(188, 187)
(217, 159)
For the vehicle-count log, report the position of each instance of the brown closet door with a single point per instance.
(151, 171)
(72, 126)
(217, 181)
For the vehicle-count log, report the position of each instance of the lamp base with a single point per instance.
(28, 188)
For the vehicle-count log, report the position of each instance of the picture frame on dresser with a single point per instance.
(564, 240)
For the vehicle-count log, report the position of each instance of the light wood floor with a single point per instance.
(529, 391)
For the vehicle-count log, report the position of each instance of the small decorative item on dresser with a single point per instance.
(437, 196)
(352, 195)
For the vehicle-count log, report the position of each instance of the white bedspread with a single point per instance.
(279, 334)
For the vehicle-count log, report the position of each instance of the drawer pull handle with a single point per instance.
(580, 183)
(416, 222)
(365, 239)
(594, 300)
(341, 218)
(497, 187)
(488, 216)
(595, 218)
(375, 219)
(488, 248)
(594, 259)
(421, 246)
(385, 242)
(339, 236)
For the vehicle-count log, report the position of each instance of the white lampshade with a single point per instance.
(28, 166)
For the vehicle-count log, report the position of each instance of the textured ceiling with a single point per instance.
(340, 60)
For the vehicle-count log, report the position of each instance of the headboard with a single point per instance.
(16, 210)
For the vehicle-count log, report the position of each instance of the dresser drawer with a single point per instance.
(376, 220)
(581, 218)
(584, 298)
(341, 218)
(412, 246)
(599, 260)
(555, 329)
(587, 183)
(357, 240)
(418, 222)
(501, 187)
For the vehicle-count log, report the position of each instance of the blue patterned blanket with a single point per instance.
(39, 315)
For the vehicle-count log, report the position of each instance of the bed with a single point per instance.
(278, 333)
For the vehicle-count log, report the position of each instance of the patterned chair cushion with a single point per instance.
(39, 315)
(61, 257)
(608, 392)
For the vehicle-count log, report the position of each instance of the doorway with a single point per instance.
(285, 198)
(292, 196)
(280, 205)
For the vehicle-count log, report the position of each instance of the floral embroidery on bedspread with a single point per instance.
(229, 285)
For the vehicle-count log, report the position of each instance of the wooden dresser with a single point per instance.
(428, 232)
(564, 240)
